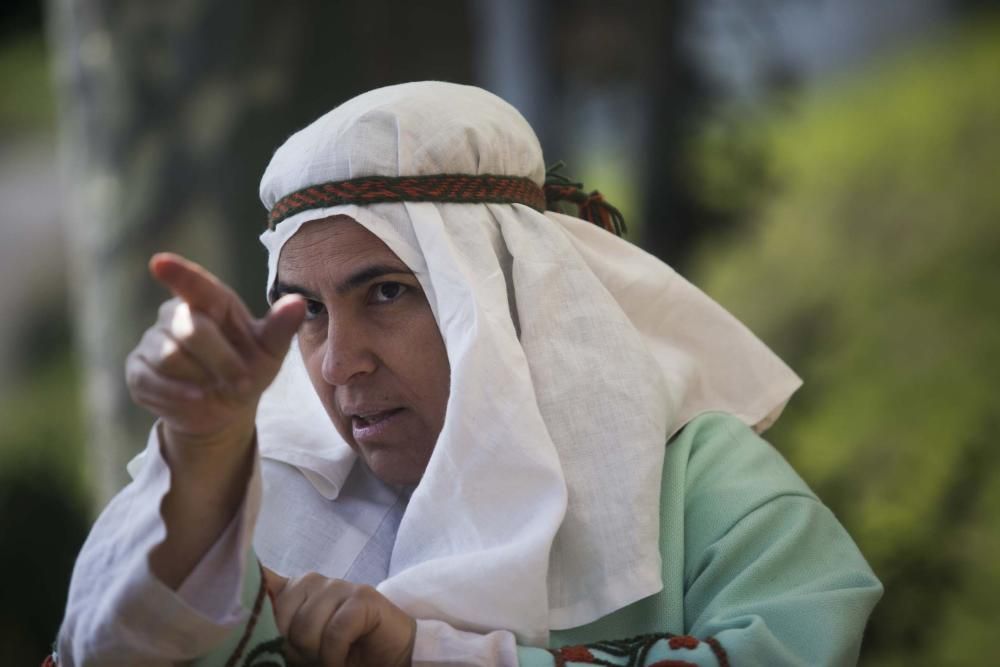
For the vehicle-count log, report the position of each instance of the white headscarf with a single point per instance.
(574, 356)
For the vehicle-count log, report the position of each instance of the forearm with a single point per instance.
(119, 612)
(208, 482)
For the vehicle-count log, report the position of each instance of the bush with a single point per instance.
(875, 271)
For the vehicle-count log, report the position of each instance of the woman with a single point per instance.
(472, 419)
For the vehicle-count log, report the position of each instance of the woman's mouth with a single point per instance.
(373, 425)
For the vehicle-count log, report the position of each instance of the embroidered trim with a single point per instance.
(258, 605)
(275, 646)
(633, 651)
(451, 188)
(683, 641)
(718, 651)
(573, 654)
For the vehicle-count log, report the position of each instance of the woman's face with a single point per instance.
(370, 344)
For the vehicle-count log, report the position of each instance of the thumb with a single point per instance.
(280, 324)
(274, 581)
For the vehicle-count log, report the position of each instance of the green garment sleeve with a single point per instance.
(769, 570)
(255, 643)
(766, 573)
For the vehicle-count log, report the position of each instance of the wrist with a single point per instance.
(194, 450)
(208, 482)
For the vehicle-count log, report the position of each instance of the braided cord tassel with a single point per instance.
(591, 206)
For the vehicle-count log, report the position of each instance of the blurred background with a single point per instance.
(826, 170)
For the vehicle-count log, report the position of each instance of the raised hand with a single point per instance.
(204, 364)
(334, 623)
(202, 368)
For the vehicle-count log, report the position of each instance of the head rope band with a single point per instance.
(456, 189)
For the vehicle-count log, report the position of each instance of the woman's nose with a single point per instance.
(348, 353)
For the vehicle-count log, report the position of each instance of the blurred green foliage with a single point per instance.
(41, 421)
(44, 499)
(873, 267)
(43, 504)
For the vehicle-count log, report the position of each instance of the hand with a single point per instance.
(334, 623)
(202, 368)
(204, 364)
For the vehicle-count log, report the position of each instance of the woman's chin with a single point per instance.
(392, 471)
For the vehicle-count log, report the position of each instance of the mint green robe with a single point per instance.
(756, 571)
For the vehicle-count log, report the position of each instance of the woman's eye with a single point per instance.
(386, 292)
(313, 309)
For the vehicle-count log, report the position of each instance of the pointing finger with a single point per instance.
(188, 280)
(204, 292)
(193, 283)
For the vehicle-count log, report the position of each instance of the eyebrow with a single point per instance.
(357, 279)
